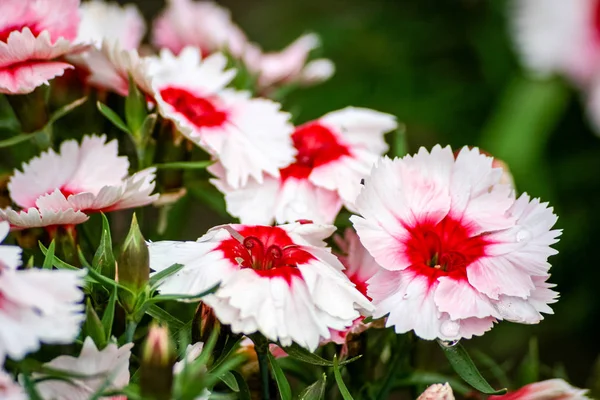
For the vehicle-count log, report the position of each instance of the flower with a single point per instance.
(289, 65)
(35, 305)
(553, 389)
(250, 136)
(34, 35)
(557, 36)
(9, 389)
(280, 281)
(201, 24)
(334, 153)
(101, 20)
(437, 391)
(61, 188)
(458, 251)
(108, 368)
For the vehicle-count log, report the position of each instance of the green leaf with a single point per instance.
(399, 145)
(284, 387)
(244, 391)
(112, 117)
(529, 370)
(316, 391)
(135, 109)
(49, 259)
(56, 262)
(464, 367)
(228, 379)
(30, 388)
(163, 316)
(16, 140)
(109, 314)
(93, 326)
(179, 297)
(104, 259)
(157, 278)
(306, 356)
(340, 382)
(185, 165)
(61, 112)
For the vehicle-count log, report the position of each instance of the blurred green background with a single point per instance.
(447, 69)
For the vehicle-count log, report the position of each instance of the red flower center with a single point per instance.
(268, 250)
(200, 111)
(316, 146)
(443, 249)
(596, 20)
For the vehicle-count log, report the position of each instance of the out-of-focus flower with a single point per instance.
(34, 36)
(9, 389)
(61, 188)
(458, 250)
(37, 305)
(334, 153)
(158, 360)
(279, 281)
(553, 389)
(437, 391)
(557, 36)
(107, 368)
(290, 65)
(102, 20)
(250, 136)
(192, 352)
(201, 24)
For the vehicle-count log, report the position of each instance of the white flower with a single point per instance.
(437, 391)
(250, 136)
(458, 252)
(9, 389)
(280, 281)
(334, 153)
(61, 188)
(35, 305)
(108, 368)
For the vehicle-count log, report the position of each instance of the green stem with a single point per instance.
(130, 330)
(261, 346)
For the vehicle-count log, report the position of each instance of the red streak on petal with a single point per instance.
(200, 111)
(596, 20)
(443, 249)
(316, 146)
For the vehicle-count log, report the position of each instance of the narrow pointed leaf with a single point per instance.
(156, 279)
(112, 117)
(109, 314)
(57, 262)
(93, 326)
(135, 108)
(185, 165)
(49, 259)
(244, 390)
(61, 112)
(228, 379)
(30, 388)
(340, 382)
(316, 391)
(466, 369)
(306, 356)
(179, 297)
(24, 137)
(163, 316)
(284, 387)
(104, 259)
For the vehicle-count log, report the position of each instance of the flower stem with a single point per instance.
(130, 330)
(261, 346)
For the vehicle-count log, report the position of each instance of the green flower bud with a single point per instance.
(158, 359)
(133, 264)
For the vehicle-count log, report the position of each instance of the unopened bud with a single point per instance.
(437, 392)
(133, 265)
(158, 359)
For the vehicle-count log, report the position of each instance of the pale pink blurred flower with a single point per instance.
(109, 21)
(437, 391)
(201, 24)
(249, 136)
(289, 65)
(34, 37)
(61, 188)
(553, 389)
(557, 36)
(458, 251)
(35, 305)
(108, 368)
(9, 389)
(334, 153)
(278, 281)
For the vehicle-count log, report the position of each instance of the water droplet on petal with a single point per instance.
(450, 328)
(523, 235)
(448, 343)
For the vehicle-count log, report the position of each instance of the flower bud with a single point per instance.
(133, 265)
(158, 359)
(437, 392)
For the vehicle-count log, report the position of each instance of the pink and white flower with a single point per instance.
(556, 36)
(9, 389)
(62, 188)
(107, 368)
(35, 305)
(249, 136)
(290, 65)
(201, 24)
(34, 37)
(279, 281)
(458, 251)
(437, 391)
(334, 153)
(553, 389)
(111, 22)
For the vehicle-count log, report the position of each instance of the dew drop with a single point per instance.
(450, 328)
(523, 235)
(448, 343)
